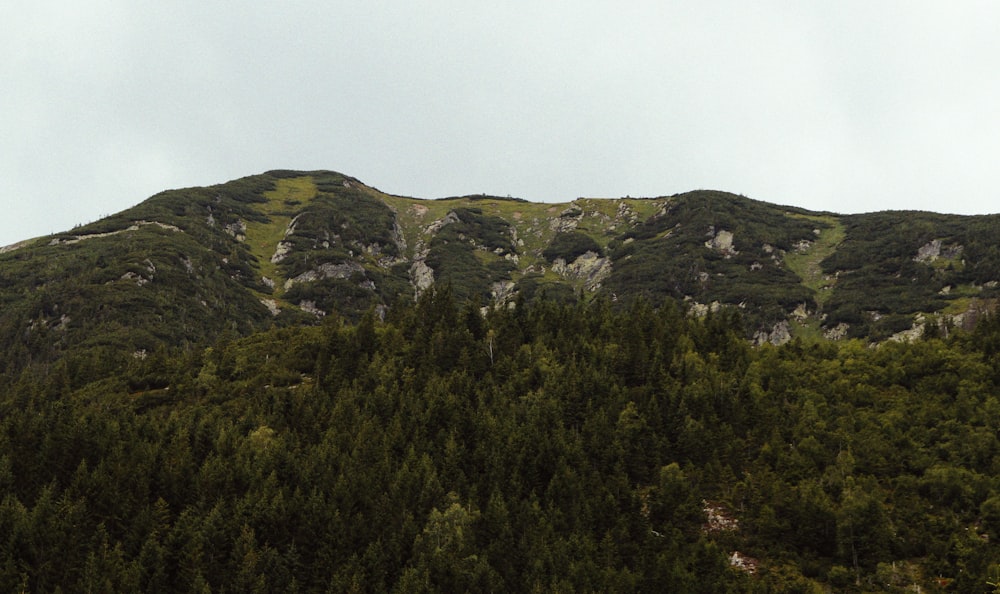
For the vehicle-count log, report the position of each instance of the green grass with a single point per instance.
(532, 220)
(961, 299)
(288, 198)
(808, 330)
(806, 264)
(957, 264)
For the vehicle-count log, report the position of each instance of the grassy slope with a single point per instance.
(532, 221)
(283, 203)
(806, 264)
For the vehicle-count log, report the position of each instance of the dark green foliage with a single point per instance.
(551, 447)
(467, 253)
(569, 246)
(483, 230)
(176, 269)
(479, 197)
(532, 287)
(188, 264)
(123, 296)
(878, 272)
(161, 431)
(340, 222)
(666, 257)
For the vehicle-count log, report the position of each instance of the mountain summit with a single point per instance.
(198, 394)
(293, 247)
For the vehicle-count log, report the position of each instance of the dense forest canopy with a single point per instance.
(295, 382)
(545, 447)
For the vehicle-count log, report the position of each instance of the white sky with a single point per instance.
(849, 106)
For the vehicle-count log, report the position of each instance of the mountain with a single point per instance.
(294, 382)
(290, 247)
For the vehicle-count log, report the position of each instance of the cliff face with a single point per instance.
(292, 247)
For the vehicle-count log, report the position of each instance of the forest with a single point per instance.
(544, 447)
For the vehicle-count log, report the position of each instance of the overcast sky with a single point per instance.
(849, 106)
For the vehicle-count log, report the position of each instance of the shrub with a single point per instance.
(570, 246)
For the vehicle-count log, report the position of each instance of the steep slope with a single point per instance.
(289, 247)
(715, 247)
(164, 272)
(897, 267)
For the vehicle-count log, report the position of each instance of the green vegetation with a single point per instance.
(544, 448)
(161, 430)
(667, 256)
(467, 254)
(881, 275)
(316, 242)
(263, 236)
(806, 262)
(569, 246)
(535, 286)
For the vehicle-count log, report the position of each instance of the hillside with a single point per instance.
(294, 382)
(292, 247)
(547, 448)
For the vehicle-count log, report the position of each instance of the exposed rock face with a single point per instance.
(935, 249)
(914, 333)
(700, 310)
(802, 246)
(625, 213)
(965, 320)
(344, 270)
(422, 276)
(138, 279)
(567, 220)
(310, 307)
(437, 225)
(929, 251)
(502, 291)
(237, 230)
(281, 251)
(838, 332)
(133, 227)
(778, 335)
(718, 519)
(743, 563)
(588, 267)
(272, 306)
(398, 237)
(13, 246)
(801, 312)
(722, 242)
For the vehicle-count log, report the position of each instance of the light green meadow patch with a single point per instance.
(288, 198)
(957, 264)
(806, 263)
(961, 298)
(808, 330)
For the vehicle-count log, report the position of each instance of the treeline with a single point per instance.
(548, 447)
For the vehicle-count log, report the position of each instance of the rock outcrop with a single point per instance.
(721, 241)
(343, 270)
(935, 249)
(589, 267)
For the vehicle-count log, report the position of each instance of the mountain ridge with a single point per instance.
(294, 382)
(290, 247)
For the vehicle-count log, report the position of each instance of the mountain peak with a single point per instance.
(290, 247)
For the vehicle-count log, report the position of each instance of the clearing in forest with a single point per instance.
(287, 199)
